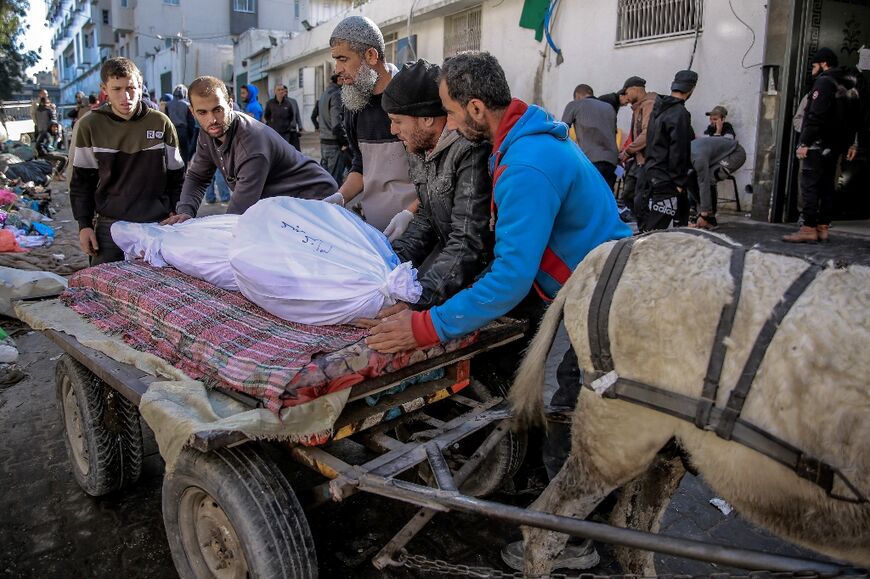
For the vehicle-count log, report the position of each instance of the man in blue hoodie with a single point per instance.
(550, 207)
(250, 104)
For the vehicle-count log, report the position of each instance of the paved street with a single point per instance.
(50, 528)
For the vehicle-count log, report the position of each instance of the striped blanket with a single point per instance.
(223, 339)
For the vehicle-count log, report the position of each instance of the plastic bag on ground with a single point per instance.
(317, 263)
(17, 284)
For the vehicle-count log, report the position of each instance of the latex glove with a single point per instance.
(336, 198)
(398, 224)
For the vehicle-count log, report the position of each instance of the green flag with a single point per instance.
(534, 12)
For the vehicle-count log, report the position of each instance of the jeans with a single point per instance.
(108, 251)
(219, 183)
(561, 390)
(334, 160)
(817, 183)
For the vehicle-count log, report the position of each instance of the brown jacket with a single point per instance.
(640, 114)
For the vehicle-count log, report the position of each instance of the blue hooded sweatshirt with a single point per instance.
(552, 207)
(253, 106)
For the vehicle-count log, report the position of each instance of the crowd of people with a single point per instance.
(486, 195)
(666, 171)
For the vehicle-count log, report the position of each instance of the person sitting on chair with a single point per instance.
(713, 160)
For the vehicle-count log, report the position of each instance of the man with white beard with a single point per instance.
(378, 186)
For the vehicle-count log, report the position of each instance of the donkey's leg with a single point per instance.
(608, 450)
(641, 505)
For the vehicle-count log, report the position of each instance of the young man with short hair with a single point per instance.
(663, 198)
(255, 160)
(594, 123)
(127, 165)
(550, 207)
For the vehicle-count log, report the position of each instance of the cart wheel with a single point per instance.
(103, 434)
(502, 463)
(497, 468)
(231, 514)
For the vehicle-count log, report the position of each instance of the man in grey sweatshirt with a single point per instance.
(594, 123)
(713, 159)
(256, 161)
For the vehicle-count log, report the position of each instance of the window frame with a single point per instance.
(453, 41)
(251, 6)
(634, 17)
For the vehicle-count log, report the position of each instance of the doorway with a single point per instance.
(844, 27)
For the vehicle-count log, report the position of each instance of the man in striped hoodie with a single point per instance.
(127, 164)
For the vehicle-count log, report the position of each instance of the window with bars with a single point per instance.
(641, 20)
(243, 6)
(462, 32)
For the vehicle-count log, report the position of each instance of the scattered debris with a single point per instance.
(722, 505)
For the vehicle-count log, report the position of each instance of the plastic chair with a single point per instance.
(736, 198)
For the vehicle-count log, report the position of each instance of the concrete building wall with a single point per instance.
(728, 67)
(586, 33)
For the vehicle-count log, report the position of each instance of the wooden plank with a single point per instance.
(359, 416)
(208, 440)
(128, 380)
(499, 333)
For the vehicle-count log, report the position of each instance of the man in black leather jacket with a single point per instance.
(449, 239)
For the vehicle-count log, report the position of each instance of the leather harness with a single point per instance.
(703, 413)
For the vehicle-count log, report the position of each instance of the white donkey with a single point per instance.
(655, 318)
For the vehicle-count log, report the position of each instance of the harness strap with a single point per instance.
(599, 306)
(738, 395)
(743, 433)
(723, 330)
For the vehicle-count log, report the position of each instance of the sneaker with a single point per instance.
(582, 556)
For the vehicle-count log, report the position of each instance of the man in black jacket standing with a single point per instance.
(327, 118)
(282, 114)
(449, 239)
(663, 199)
(826, 133)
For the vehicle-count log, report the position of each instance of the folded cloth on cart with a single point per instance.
(224, 340)
(317, 263)
(199, 247)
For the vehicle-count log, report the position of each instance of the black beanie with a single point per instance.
(414, 91)
(825, 54)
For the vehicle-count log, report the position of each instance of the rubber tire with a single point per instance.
(502, 463)
(110, 427)
(258, 502)
(505, 459)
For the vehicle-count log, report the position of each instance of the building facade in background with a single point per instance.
(751, 57)
(171, 41)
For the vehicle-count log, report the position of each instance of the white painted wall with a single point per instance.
(585, 31)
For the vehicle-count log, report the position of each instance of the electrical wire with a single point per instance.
(751, 44)
(559, 58)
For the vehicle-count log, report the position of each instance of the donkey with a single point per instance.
(693, 319)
